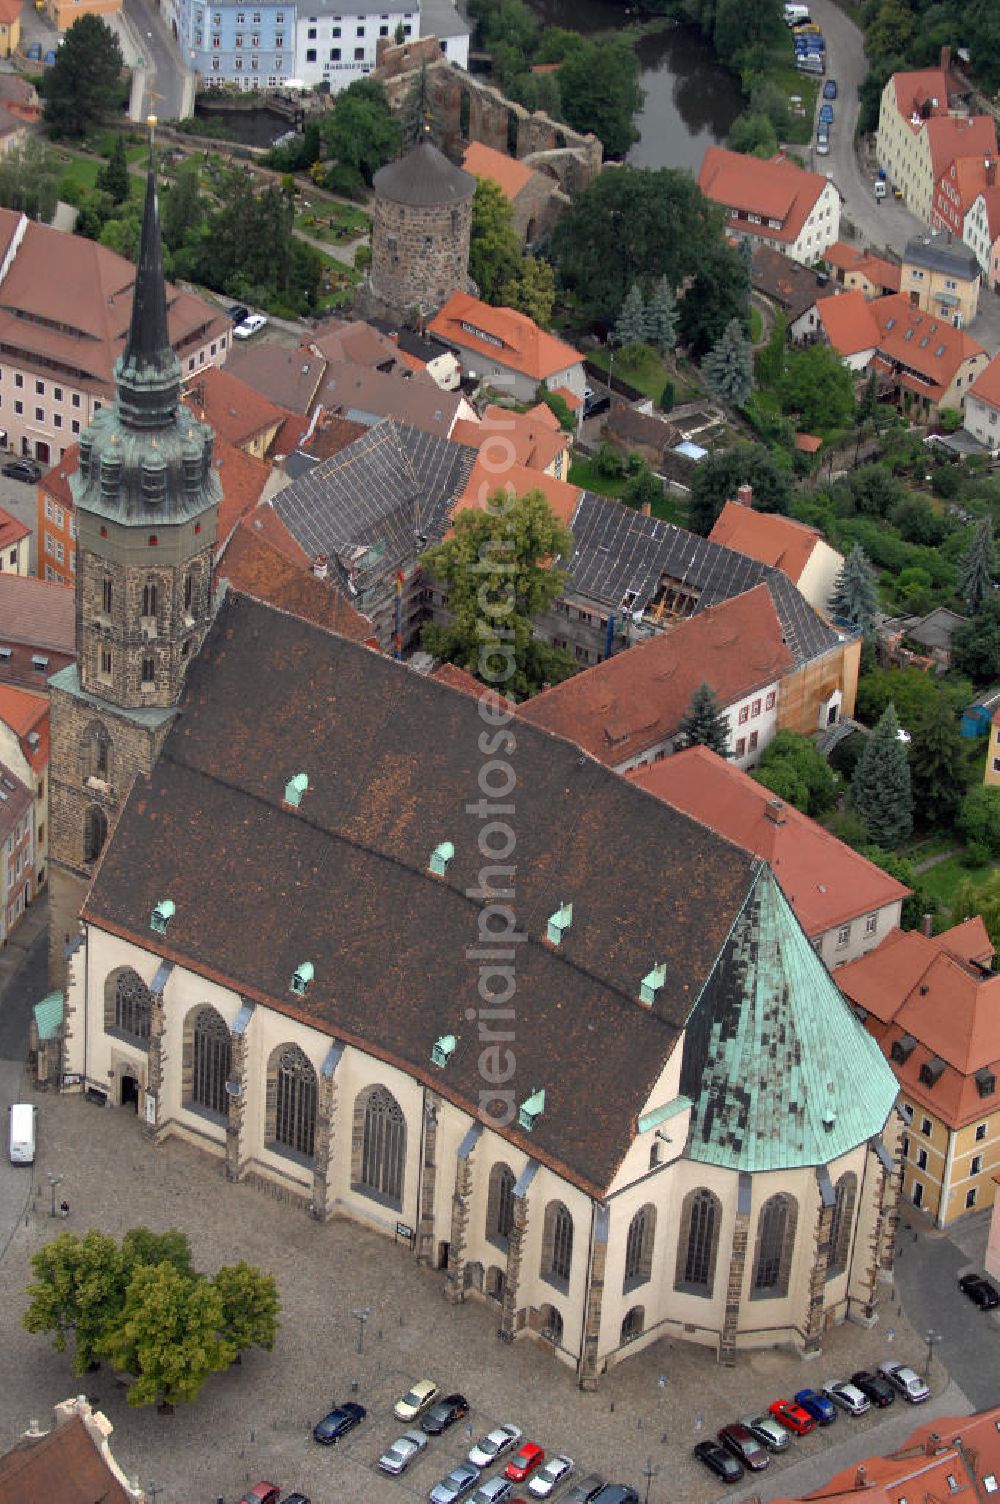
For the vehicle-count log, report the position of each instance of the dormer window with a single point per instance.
(651, 984)
(559, 923)
(161, 916)
(443, 1049)
(902, 1048)
(302, 978)
(931, 1070)
(441, 859)
(531, 1110)
(986, 1083)
(295, 788)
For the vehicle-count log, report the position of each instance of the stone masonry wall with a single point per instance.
(420, 256)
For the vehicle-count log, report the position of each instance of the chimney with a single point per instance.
(927, 925)
(647, 509)
(861, 1476)
(933, 1444)
(744, 495)
(774, 810)
(321, 566)
(991, 171)
(945, 59)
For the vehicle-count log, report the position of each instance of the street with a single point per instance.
(161, 56)
(21, 501)
(23, 983)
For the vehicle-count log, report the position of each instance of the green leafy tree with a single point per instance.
(854, 599)
(250, 1306)
(875, 490)
(599, 88)
(975, 645)
(742, 27)
(495, 565)
(754, 135)
(916, 695)
(531, 288)
(643, 489)
(661, 317)
(728, 366)
(77, 1290)
(704, 724)
(936, 760)
(167, 1335)
(917, 521)
(183, 212)
(718, 293)
(983, 898)
(979, 818)
(881, 788)
(868, 401)
(30, 176)
(717, 479)
(508, 30)
(817, 387)
(977, 566)
(891, 31)
(361, 132)
(83, 84)
(113, 177)
(769, 361)
(630, 328)
(122, 235)
(558, 405)
(791, 767)
(142, 1246)
(494, 244)
(536, 91)
(920, 901)
(556, 44)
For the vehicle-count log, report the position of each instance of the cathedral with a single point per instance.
(382, 945)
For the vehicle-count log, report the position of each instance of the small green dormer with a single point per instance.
(295, 788)
(651, 984)
(443, 1049)
(530, 1110)
(441, 858)
(162, 915)
(302, 978)
(559, 923)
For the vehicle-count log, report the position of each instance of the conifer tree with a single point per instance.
(728, 366)
(881, 787)
(661, 317)
(704, 724)
(113, 177)
(631, 326)
(977, 566)
(854, 601)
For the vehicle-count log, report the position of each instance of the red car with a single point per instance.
(792, 1417)
(262, 1493)
(527, 1459)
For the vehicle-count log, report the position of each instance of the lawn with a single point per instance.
(339, 285)
(335, 224)
(944, 877)
(585, 474)
(80, 176)
(640, 366)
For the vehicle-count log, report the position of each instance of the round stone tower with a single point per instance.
(420, 231)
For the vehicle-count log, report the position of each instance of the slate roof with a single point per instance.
(63, 1467)
(617, 549)
(939, 252)
(779, 1069)
(424, 177)
(392, 757)
(365, 506)
(253, 563)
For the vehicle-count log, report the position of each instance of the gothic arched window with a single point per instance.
(127, 1006)
(500, 1204)
(383, 1147)
(211, 1062)
(843, 1221)
(149, 598)
(557, 1244)
(698, 1242)
(292, 1081)
(775, 1245)
(639, 1247)
(95, 833)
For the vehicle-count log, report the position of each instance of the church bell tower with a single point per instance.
(147, 498)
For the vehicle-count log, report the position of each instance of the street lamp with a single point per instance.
(649, 1473)
(361, 1316)
(54, 1180)
(932, 1339)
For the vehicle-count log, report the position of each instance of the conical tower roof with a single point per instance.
(781, 1072)
(148, 373)
(423, 178)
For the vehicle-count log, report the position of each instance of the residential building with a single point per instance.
(20, 107)
(37, 630)
(421, 353)
(857, 270)
(957, 189)
(982, 233)
(338, 48)
(10, 26)
(991, 774)
(649, 435)
(518, 480)
(848, 325)
(791, 287)
(289, 379)
(62, 13)
(799, 551)
(367, 395)
(845, 904)
(947, 1456)
(532, 439)
(238, 413)
(65, 313)
(627, 711)
(775, 203)
(536, 198)
(56, 526)
(982, 406)
(922, 642)
(940, 275)
(597, 1207)
(933, 1002)
(17, 852)
(15, 544)
(24, 749)
(506, 349)
(244, 46)
(923, 127)
(71, 1462)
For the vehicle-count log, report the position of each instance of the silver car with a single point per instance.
(848, 1396)
(909, 1384)
(493, 1491)
(549, 1476)
(397, 1458)
(456, 1485)
(494, 1445)
(769, 1431)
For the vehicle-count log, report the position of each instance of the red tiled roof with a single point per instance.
(24, 712)
(508, 173)
(11, 530)
(923, 87)
(507, 436)
(987, 384)
(523, 346)
(462, 680)
(244, 479)
(849, 323)
(778, 189)
(37, 613)
(255, 566)
(967, 178)
(929, 336)
(619, 708)
(9, 11)
(825, 882)
(780, 541)
(233, 409)
(849, 258)
(63, 1467)
(808, 443)
(950, 137)
(543, 414)
(55, 482)
(485, 479)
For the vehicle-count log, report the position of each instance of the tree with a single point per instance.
(494, 245)
(881, 788)
(979, 818)
(854, 600)
(183, 211)
(141, 1246)
(972, 898)
(936, 756)
(728, 366)
(122, 235)
(718, 293)
(76, 1292)
(661, 317)
(643, 489)
(920, 901)
(499, 578)
(754, 135)
(113, 177)
(704, 724)
(250, 1306)
(531, 288)
(977, 566)
(168, 1335)
(975, 645)
(915, 695)
(82, 85)
(791, 767)
(817, 386)
(630, 328)
(599, 88)
(361, 132)
(717, 479)
(29, 179)
(558, 405)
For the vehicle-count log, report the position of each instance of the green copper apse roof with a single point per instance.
(780, 1071)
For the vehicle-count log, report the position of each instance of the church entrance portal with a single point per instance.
(130, 1093)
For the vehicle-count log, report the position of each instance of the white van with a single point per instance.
(796, 14)
(22, 1134)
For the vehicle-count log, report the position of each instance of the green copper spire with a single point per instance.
(148, 373)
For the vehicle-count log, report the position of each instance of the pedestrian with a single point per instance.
(64, 1208)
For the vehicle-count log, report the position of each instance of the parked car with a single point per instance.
(616, 1493)
(740, 1440)
(880, 188)
(456, 1485)
(295, 1498)
(554, 1470)
(445, 1413)
(767, 1430)
(416, 1399)
(826, 114)
(848, 1396)
(250, 326)
(830, 89)
(585, 1491)
(822, 1409)
(530, 1456)
(877, 1389)
(26, 470)
(792, 1417)
(337, 1423)
(494, 1444)
(822, 144)
(238, 313)
(718, 1461)
(980, 1291)
(397, 1458)
(493, 1491)
(262, 1493)
(905, 1381)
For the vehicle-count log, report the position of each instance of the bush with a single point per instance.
(667, 396)
(609, 462)
(979, 819)
(975, 855)
(946, 482)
